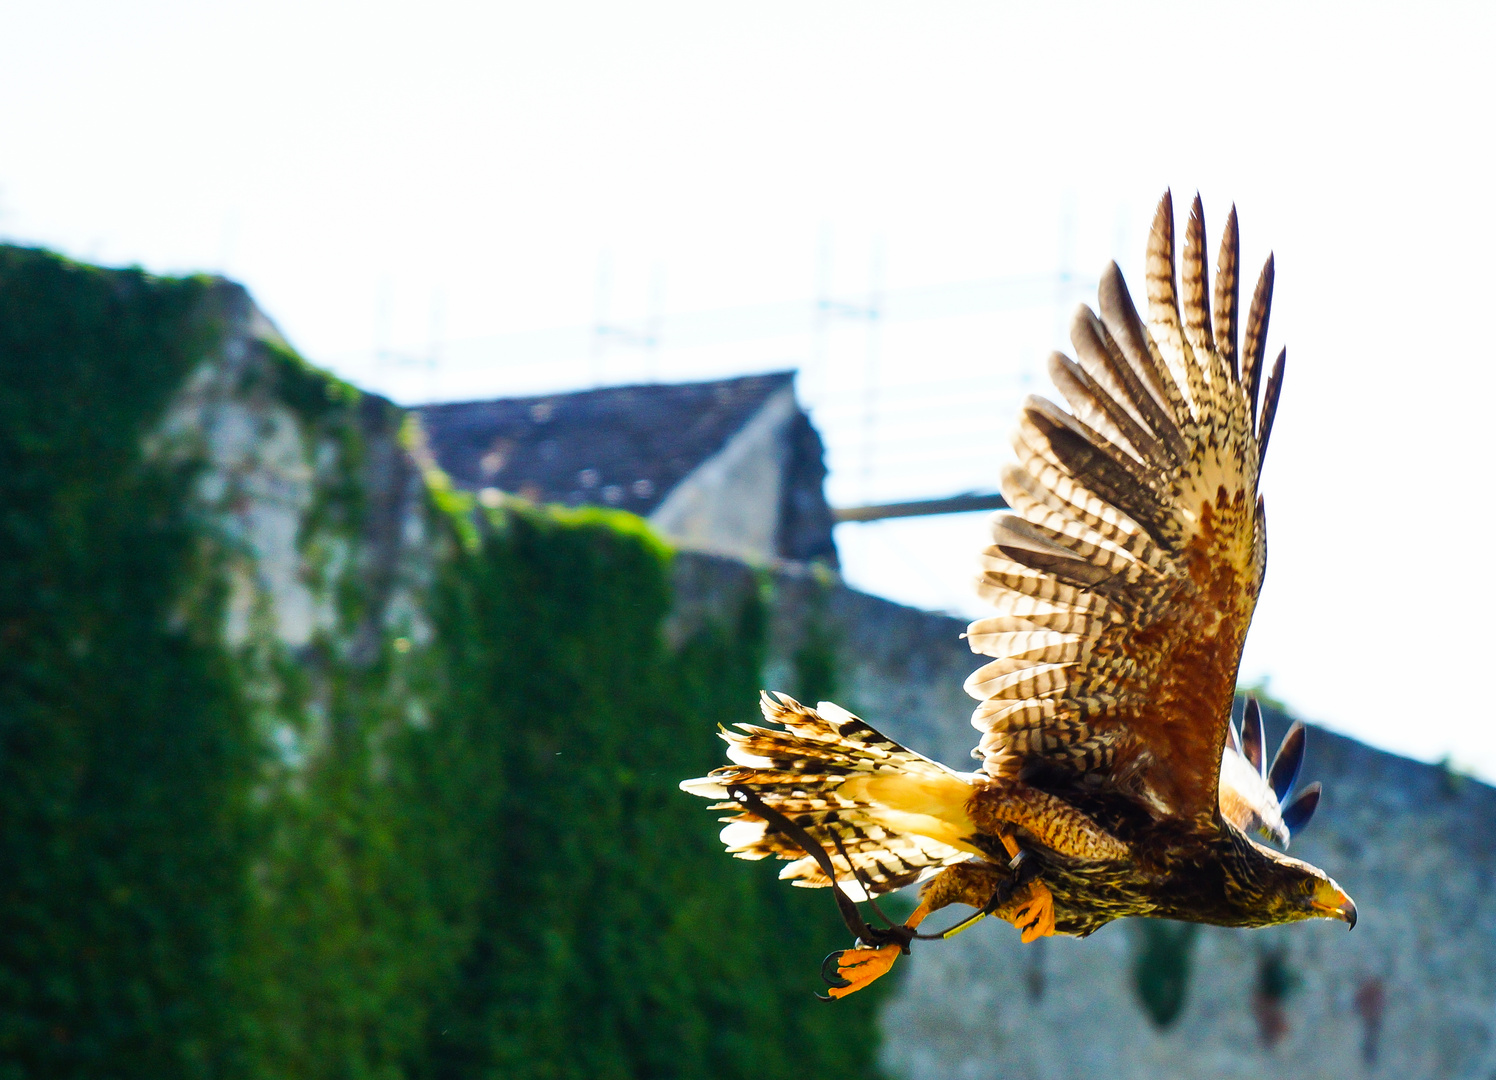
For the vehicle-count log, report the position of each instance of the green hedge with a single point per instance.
(125, 752)
(452, 854)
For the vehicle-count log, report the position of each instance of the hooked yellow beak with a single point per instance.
(1331, 901)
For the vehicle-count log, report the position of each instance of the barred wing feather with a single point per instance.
(1127, 574)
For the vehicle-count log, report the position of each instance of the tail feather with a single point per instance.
(888, 817)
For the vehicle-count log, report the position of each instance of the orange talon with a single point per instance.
(861, 966)
(1035, 913)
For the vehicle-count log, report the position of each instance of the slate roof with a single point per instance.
(624, 446)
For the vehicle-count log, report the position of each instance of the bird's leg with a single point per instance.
(1016, 897)
(849, 970)
(1012, 893)
(1003, 806)
(1034, 913)
(877, 948)
(975, 883)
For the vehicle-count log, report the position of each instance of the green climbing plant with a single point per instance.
(429, 845)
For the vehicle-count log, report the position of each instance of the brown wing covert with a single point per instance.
(1127, 573)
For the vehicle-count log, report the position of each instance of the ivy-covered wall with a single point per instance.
(308, 768)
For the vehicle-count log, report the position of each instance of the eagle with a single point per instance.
(1113, 780)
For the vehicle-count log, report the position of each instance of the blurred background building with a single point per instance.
(732, 466)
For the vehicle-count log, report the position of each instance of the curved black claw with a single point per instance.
(830, 977)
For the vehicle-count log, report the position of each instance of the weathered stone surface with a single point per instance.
(320, 530)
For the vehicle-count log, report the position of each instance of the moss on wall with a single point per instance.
(126, 755)
(616, 939)
(439, 838)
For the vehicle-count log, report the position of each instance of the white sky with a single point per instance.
(426, 197)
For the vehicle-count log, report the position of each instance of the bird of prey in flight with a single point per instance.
(1113, 781)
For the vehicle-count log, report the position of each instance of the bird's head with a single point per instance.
(1294, 890)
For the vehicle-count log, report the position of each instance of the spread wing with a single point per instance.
(1126, 577)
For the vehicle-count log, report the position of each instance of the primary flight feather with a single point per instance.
(1113, 782)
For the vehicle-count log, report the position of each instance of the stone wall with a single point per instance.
(276, 488)
(1411, 992)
